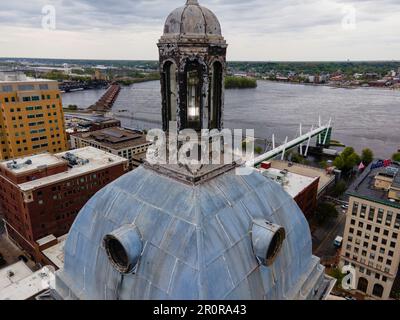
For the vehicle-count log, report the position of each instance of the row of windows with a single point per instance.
(368, 272)
(378, 216)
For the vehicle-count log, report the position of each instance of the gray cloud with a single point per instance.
(260, 20)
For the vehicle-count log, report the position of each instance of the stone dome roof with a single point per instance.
(196, 242)
(192, 20)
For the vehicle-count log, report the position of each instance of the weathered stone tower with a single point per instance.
(192, 65)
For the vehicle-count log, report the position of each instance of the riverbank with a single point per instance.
(330, 85)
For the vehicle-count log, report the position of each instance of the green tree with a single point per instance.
(367, 156)
(258, 150)
(339, 189)
(323, 164)
(396, 157)
(347, 160)
(338, 275)
(325, 212)
(240, 83)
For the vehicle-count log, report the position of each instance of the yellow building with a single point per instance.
(31, 117)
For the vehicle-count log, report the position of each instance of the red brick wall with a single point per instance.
(307, 199)
(54, 208)
(35, 174)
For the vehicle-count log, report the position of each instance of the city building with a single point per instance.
(42, 194)
(88, 123)
(175, 231)
(18, 282)
(326, 179)
(122, 142)
(31, 116)
(371, 238)
(302, 189)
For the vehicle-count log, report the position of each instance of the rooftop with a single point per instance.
(56, 253)
(325, 179)
(114, 138)
(26, 164)
(364, 186)
(82, 161)
(24, 284)
(13, 274)
(293, 183)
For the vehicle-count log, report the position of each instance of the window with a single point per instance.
(26, 87)
(362, 284)
(386, 233)
(215, 95)
(380, 216)
(397, 223)
(371, 214)
(389, 218)
(193, 94)
(378, 290)
(170, 90)
(363, 211)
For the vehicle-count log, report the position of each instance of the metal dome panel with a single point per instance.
(196, 239)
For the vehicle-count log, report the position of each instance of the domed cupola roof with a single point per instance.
(192, 21)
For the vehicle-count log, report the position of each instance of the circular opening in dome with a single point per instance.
(275, 246)
(117, 254)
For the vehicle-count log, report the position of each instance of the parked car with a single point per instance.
(338, 242)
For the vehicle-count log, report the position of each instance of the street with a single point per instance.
(324, 237)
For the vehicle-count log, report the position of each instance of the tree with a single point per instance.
(258, 150)
(339, 189)
(396, 157)
(347, 160)
(367, 156)
(325, 212)
(323, 164)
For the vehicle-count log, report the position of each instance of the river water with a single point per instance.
(361, 117)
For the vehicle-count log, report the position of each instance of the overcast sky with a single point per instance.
(261, 30)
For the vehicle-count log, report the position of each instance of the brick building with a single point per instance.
(122, 142)
(41, 195)
(302, 189)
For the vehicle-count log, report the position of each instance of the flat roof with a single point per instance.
(364, 188)
(114, 138)
(325, 179)
(29, 286)
(29, 163)
(97, 160)
(13, 274)
(56, 253)
(293, 183)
